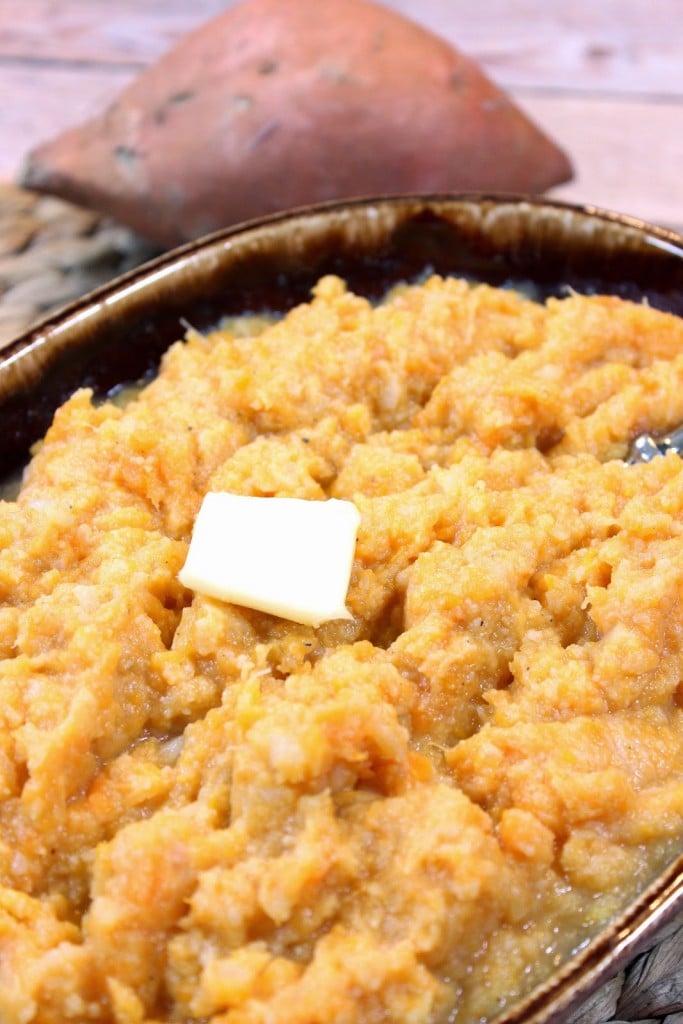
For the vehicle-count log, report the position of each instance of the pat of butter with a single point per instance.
(287, 556)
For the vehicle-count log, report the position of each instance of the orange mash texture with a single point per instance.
(211, 814)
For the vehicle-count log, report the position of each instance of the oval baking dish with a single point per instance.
(543, 249)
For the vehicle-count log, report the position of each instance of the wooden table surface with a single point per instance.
(603, 77)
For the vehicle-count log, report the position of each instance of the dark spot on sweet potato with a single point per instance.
(174, 100)
(263, 134)
(458, 81)
(126, 154)
(378, 41)
(183, 96)
(267, 67)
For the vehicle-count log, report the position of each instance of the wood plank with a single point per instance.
(624, 46)
(627, 154)
(127, 31)
(95, 30)
(46, 103)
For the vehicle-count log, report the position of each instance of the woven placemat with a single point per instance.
(648, 991)
(52, 252)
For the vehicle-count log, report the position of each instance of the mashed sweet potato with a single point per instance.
(211, 814)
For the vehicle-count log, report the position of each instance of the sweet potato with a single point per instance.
(277, 103)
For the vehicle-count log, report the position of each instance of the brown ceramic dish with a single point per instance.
(118, 333)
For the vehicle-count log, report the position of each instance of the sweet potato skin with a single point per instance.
(277, 103)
